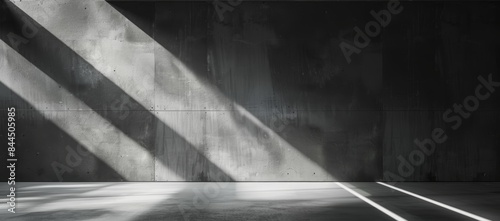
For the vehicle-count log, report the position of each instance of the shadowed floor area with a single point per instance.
(250, 201)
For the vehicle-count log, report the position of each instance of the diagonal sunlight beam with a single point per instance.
(60, 142)
(87, 127)
(184, 91)
(238, 153)
(74, 73)
(261, 148)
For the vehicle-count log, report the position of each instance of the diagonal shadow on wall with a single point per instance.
(75, 74)
(43, 156)
(144, 15)
(186, 31)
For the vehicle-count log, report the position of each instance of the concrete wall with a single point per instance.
(168, 91)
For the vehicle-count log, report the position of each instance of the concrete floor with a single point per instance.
(250, 201)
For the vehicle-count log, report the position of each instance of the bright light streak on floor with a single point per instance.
(476, 217)
(382, 209)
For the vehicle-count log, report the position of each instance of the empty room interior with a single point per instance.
(250, 110)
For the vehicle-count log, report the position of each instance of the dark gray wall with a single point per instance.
(178, 91)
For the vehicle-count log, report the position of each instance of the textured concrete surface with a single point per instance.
(168, 91)
(268, 201)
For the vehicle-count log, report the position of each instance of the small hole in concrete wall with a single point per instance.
(287, 173)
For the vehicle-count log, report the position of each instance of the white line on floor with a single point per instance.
(476, 217)
(379, 207)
